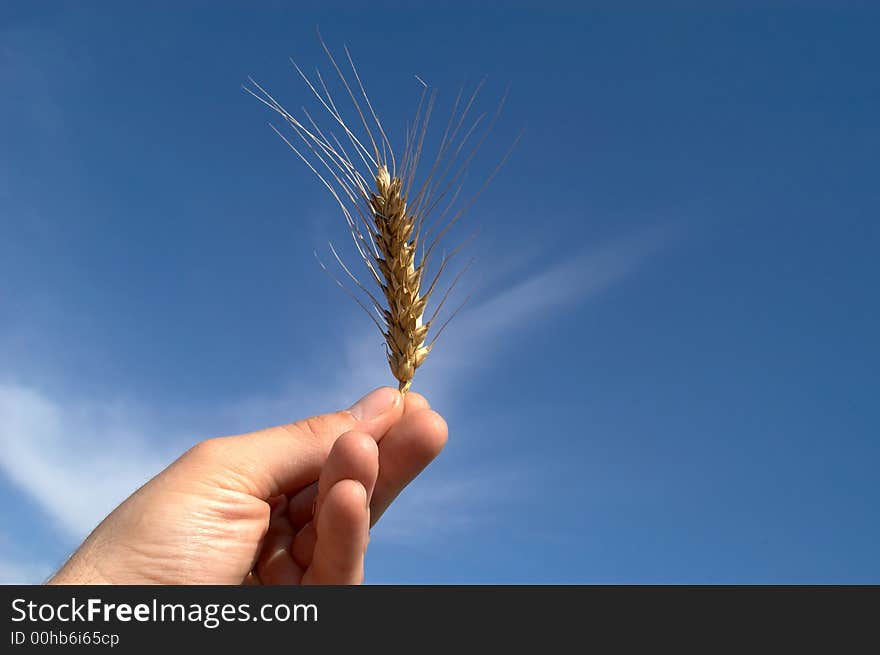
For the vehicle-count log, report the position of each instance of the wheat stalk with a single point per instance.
(388, 229)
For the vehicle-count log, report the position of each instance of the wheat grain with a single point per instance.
(389, 231)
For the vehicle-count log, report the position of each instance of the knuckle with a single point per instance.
(312, 427)
(322, 430)
(206, 449)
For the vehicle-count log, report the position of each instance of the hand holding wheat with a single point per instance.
(387, 219)
(291, 504)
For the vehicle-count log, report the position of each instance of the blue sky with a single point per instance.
(668, 369)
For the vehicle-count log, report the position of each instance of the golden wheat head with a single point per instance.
(385, 210)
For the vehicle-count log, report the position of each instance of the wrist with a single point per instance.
(78, 571)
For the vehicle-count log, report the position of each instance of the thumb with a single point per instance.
(286, 458)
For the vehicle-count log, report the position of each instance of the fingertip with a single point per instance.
(415, 402)
(377, 403)
(352, 495)
(377, 412)
(344, 520)
(341, 536)
(433, 432)
(354, 456)
(408, 449)
(358, 453)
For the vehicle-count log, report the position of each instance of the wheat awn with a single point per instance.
(387, 215)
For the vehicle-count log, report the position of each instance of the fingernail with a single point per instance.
(375, 403)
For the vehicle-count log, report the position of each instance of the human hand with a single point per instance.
(287, 505)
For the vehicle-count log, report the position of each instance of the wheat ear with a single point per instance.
(397, 244)
(387, 220)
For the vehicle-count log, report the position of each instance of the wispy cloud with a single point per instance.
(583, 275)
(77, 460)
(476, 334)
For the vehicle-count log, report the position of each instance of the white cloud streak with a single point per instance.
(77, 461)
